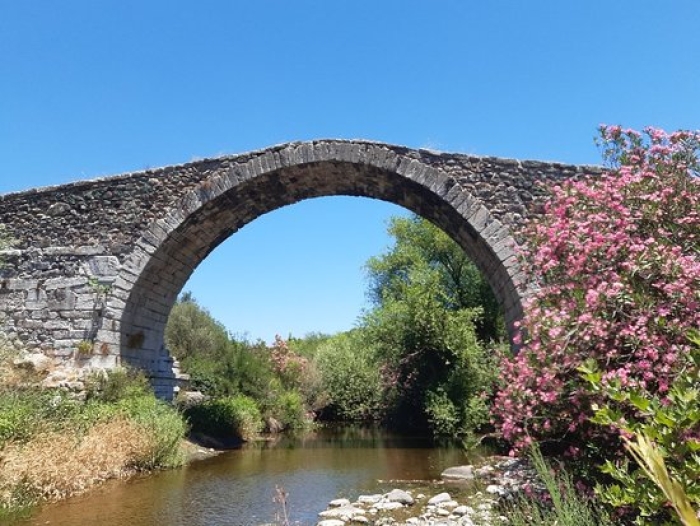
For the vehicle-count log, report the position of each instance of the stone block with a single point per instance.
(61, 300)
(20, 284)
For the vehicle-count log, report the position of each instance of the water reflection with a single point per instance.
(237, 488)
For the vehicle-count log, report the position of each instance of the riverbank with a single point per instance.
(465, 496)
(65, 431)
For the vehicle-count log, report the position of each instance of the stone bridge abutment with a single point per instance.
(97, 265)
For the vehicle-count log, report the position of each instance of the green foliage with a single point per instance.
(565, 506)
(227, 417)
(417, 358)
(350, 377)
(18, 503)
(84, 348)
(284, 384)
(309, 345)
(443, 414)
(670, 423)
(421, 247)
(217, 364)
(22, 413)
(192, 332)
(115, 385)
(425, 347)
(288, 409)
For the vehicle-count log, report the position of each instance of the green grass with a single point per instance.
(565, 506)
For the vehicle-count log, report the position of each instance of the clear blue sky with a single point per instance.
(91, 88)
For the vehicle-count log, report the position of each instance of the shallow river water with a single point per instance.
(237, 487)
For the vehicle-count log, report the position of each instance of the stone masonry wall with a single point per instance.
(72, 242)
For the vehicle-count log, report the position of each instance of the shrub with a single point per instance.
(53, 447)
(443, 415)
(616, 262)
(84, 348)
(288, 409)
(661, 433)
(350, 377)
(423, 347)
(192, 331)
(563, 505)
(116, 384)
(18, 415)
(228, 417)
(26, 412)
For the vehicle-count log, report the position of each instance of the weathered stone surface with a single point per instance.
(345, 512)
(34, 361)
(119, 249)
(440, 497)
(400, 496)
(458, 473)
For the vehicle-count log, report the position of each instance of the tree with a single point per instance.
(421, 247)
(350, 377)
(429, 299)
(192, 331)
(216, 363)
(617, 263)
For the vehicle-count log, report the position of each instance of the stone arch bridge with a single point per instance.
(97, 265)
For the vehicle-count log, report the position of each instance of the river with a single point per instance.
(237, 487)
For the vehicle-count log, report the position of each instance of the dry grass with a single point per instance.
(54, 466)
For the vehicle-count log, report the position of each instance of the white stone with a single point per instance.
(458, 473)
(331, 522)
(342, 511)
(369, 499)
(388, 506)
(337, 503)
(397, 495)
(35, 361)
(485, 471)
(495, 489)
(440, 497)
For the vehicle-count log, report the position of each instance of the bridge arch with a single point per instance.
(171, 247)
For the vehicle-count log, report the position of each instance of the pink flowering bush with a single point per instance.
(662, 435)
(616, 264)
(289, 365)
